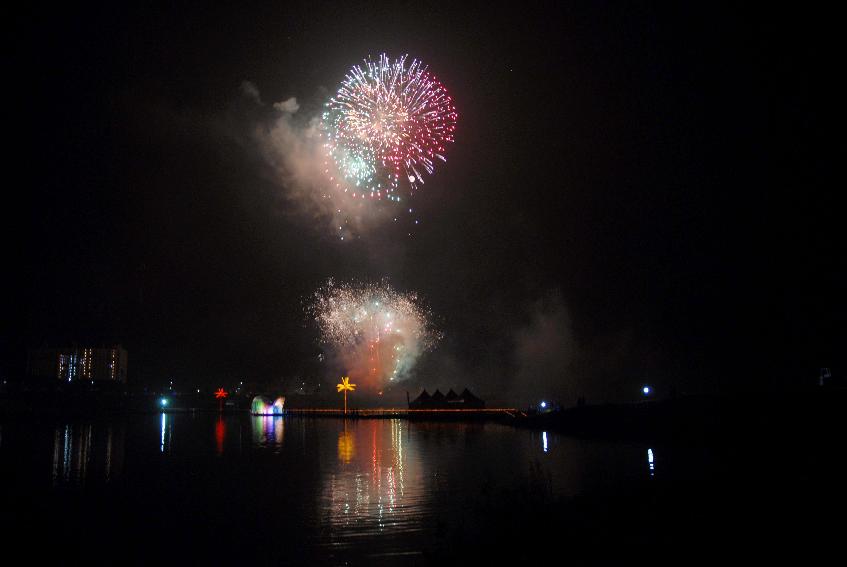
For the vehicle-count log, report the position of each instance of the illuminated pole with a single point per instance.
(345, 386)
(220, 395)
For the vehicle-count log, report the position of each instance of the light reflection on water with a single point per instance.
(220, 435)
(346, 445)
(268, 431)
(650, 462)
(83, 453)
(367, 492)
(378, 485)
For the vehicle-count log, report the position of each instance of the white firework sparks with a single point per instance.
(378, 332)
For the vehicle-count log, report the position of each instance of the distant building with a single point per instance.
(465, 400)
(78, 363)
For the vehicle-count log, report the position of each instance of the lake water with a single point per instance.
(181, 486)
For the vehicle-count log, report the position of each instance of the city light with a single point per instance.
(543, 405)
(646, 390)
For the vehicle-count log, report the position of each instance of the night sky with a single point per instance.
(638, 193)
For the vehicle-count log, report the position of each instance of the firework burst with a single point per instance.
(387, 124)
(377, 332)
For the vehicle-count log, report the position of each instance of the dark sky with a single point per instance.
(638, 192)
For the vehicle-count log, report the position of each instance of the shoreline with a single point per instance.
(813, 414)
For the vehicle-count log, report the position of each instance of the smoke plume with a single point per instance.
(545, 352)
(291, 145)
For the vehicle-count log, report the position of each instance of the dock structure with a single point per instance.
(407, 413)
(452, 401)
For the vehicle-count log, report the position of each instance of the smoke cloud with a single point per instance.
(251, 91)
(376, 332)
(289, 105)
(545, 353)
(290, 143)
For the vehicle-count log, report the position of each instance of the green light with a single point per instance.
(163, 402)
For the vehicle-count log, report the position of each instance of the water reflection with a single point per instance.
(346, 445)
(220, 435)
(364, 489)
(82, 452)
(369, 492)
(166, 433)
(268, 430)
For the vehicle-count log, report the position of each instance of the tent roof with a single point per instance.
(423, 396)
(467, 395)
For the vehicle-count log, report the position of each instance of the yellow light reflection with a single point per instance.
(346, 446)
(376, 488)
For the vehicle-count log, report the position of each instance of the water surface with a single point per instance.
(316, 490)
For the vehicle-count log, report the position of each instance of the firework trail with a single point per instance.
(377, 332)
(386, 125)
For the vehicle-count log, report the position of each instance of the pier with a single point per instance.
(408, 413)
